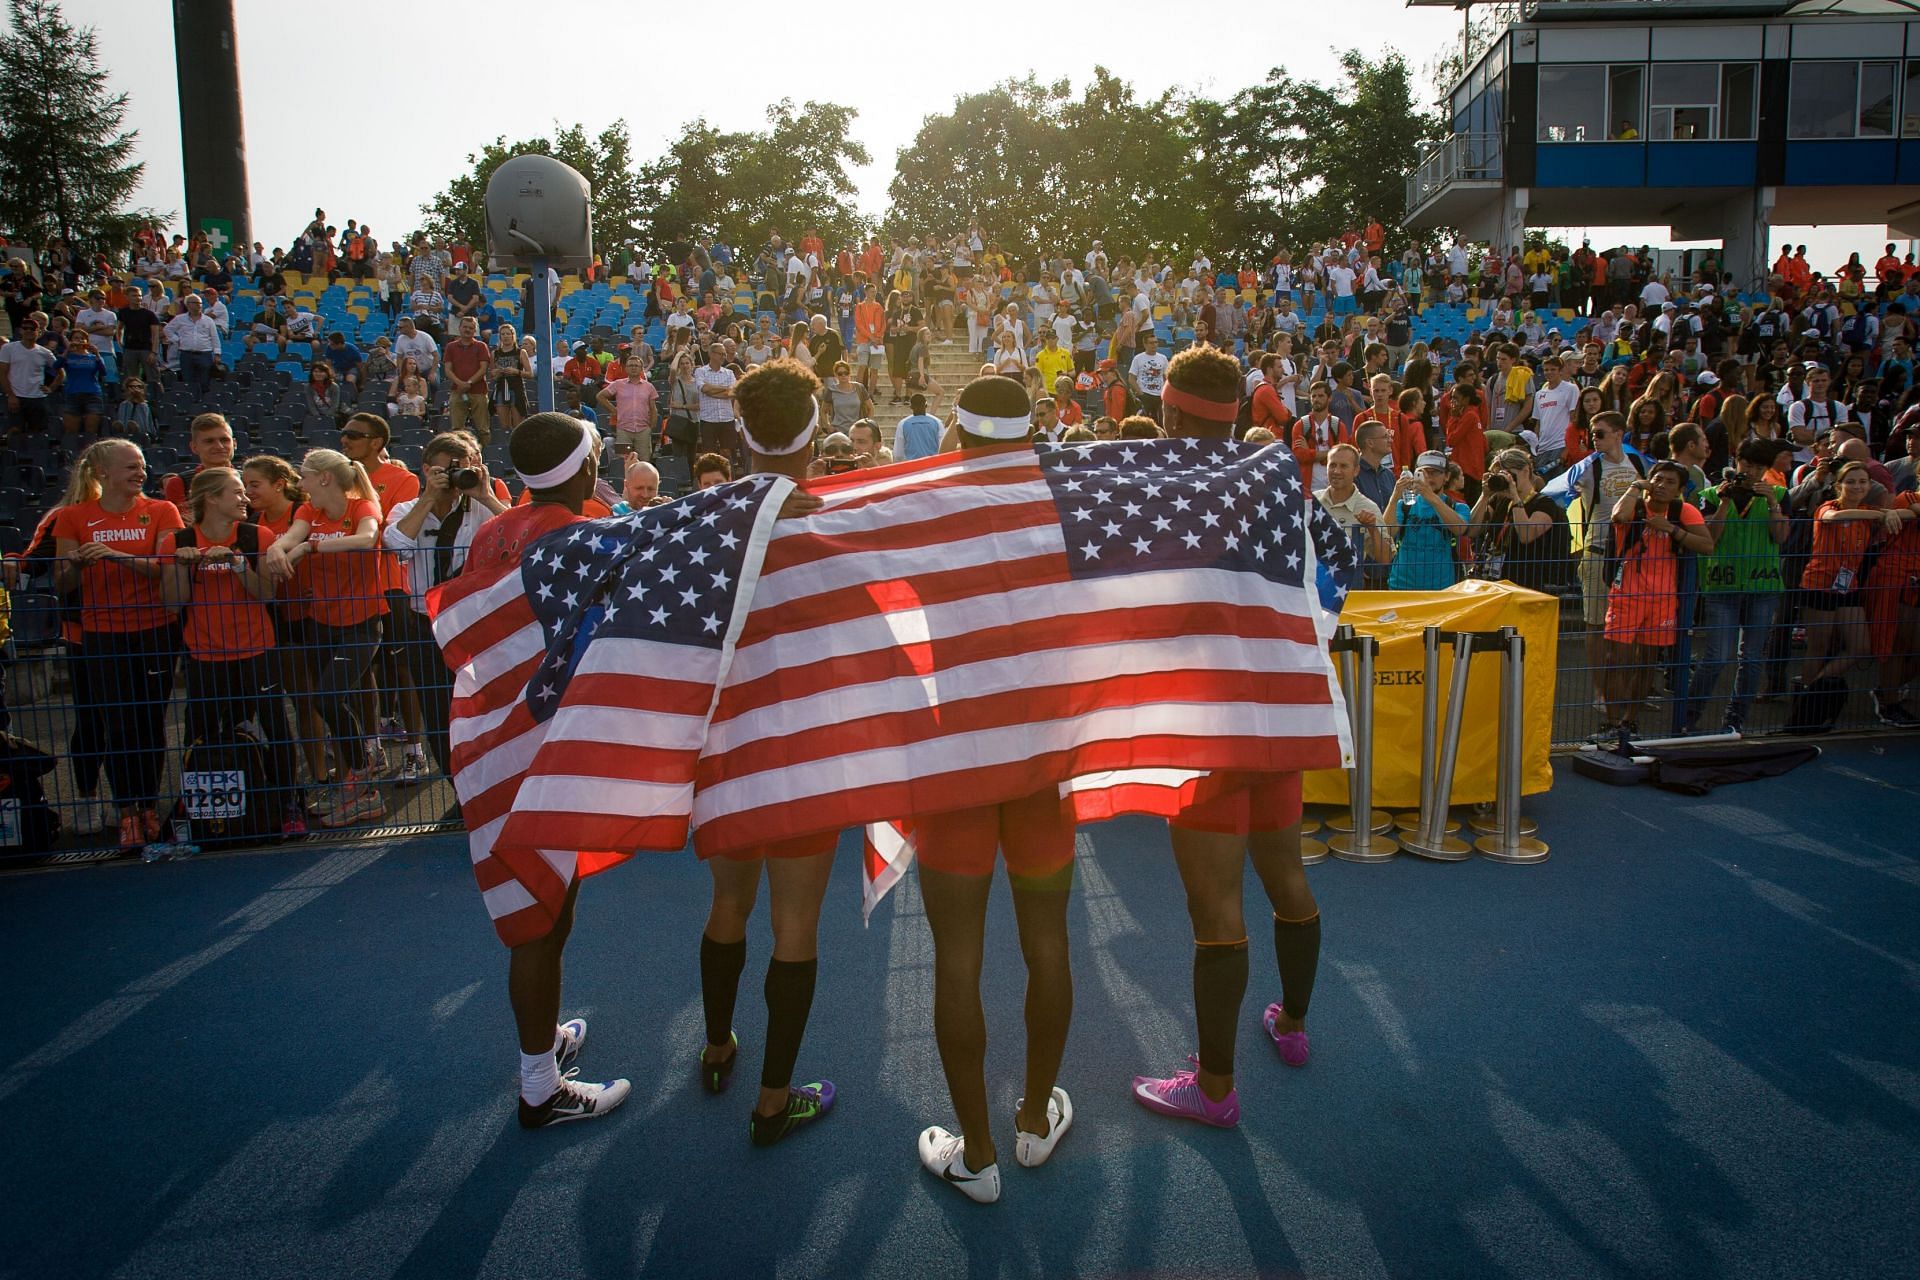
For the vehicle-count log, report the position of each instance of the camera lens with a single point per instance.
(464, 478)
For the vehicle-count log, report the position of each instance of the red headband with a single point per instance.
(1200, 406)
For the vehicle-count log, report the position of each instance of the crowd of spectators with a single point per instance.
(1716, 478)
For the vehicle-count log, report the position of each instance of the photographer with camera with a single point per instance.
(430, 535)
(1519, 535)
(1740, 580)
(1426, 522)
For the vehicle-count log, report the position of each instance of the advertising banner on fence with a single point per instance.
(1397, 619)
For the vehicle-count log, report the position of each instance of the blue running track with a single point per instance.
(1685, 1046)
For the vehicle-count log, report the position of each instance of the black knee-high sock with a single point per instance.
(1219, 986)
(789, 1001)
(1296, 944)
(720, 966)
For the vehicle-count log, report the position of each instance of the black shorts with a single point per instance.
(1834, 601)
(32, 415)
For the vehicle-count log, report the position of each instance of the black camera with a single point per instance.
(464, 477)
(1497, 483)
(1735, 478)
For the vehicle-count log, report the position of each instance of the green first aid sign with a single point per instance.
(219, 233)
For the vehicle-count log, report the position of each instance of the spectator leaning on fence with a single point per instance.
(233, 672)
(334, 534)
(431, 533)
(109, 536)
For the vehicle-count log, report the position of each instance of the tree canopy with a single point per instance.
(1282, 161)
(1038, 165)
(741, 186)
(66, 165)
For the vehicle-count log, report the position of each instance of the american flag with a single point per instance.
(1123, 619)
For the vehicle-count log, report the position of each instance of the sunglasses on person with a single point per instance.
(356, 435)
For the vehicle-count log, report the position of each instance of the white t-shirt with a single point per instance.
(27, 369)
(714, 408)
(1289, 391)
(1653, 295)
(1340, 280)
(1149, 369)
(1063, 329)
(423, 349)
(1553, 409)
(95, 321)
(797, 269)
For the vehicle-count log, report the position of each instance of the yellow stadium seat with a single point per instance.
(359, 312)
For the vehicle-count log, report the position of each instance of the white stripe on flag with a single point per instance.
(1006, 744)
(858, 568)
(1021, 671)
(955, 618)
(560, 795)
(506, 898)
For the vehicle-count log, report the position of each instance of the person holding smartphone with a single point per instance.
(1426, 524)
(1652, 528)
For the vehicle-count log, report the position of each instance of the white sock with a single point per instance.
(415, 751)
(539, 1077)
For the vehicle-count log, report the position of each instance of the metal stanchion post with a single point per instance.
(1429, 730)
(1509, 842)
(1312, 851)
(1432, 840)
(1366, 841)
(1357, 686)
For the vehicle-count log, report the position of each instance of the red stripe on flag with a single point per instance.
(865, 600)
(920, 658)
(911, 724)
(941, 792)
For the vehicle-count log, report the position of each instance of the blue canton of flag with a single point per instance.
(1130, 506)
(669, 574)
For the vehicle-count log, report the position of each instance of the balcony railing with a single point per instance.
(1459, 157)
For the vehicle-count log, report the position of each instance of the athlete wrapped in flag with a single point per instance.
(955, 849)
(1258, 816)
(559, 459)
(779, 411)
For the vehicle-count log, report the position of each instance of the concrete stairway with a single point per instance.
(953, 368)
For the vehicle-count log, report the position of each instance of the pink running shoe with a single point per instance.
(1291, 1045)
(1180, 1095)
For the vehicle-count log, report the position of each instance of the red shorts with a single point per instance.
(1265, 802)
(798, 847)
(1035, 833)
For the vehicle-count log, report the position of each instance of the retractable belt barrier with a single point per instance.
(1362, 828)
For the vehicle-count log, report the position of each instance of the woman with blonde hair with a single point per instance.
(108, 536)
(274, 494)
(511, 373)
(335, 535)
(224, 598)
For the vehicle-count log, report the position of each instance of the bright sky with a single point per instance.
(362, 135)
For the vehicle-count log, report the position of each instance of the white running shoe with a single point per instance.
(570, 1038)
(944, 1155)
(574, 1100)
(1032, 1149)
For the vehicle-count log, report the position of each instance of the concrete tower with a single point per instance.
(213, 140)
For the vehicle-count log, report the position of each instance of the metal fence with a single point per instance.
(143, 729)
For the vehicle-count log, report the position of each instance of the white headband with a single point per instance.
(993, 428)
(570, 468)
(799, 442)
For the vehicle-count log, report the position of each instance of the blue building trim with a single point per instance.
(1842, 164)
(1701, 164)
(1590, 164)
